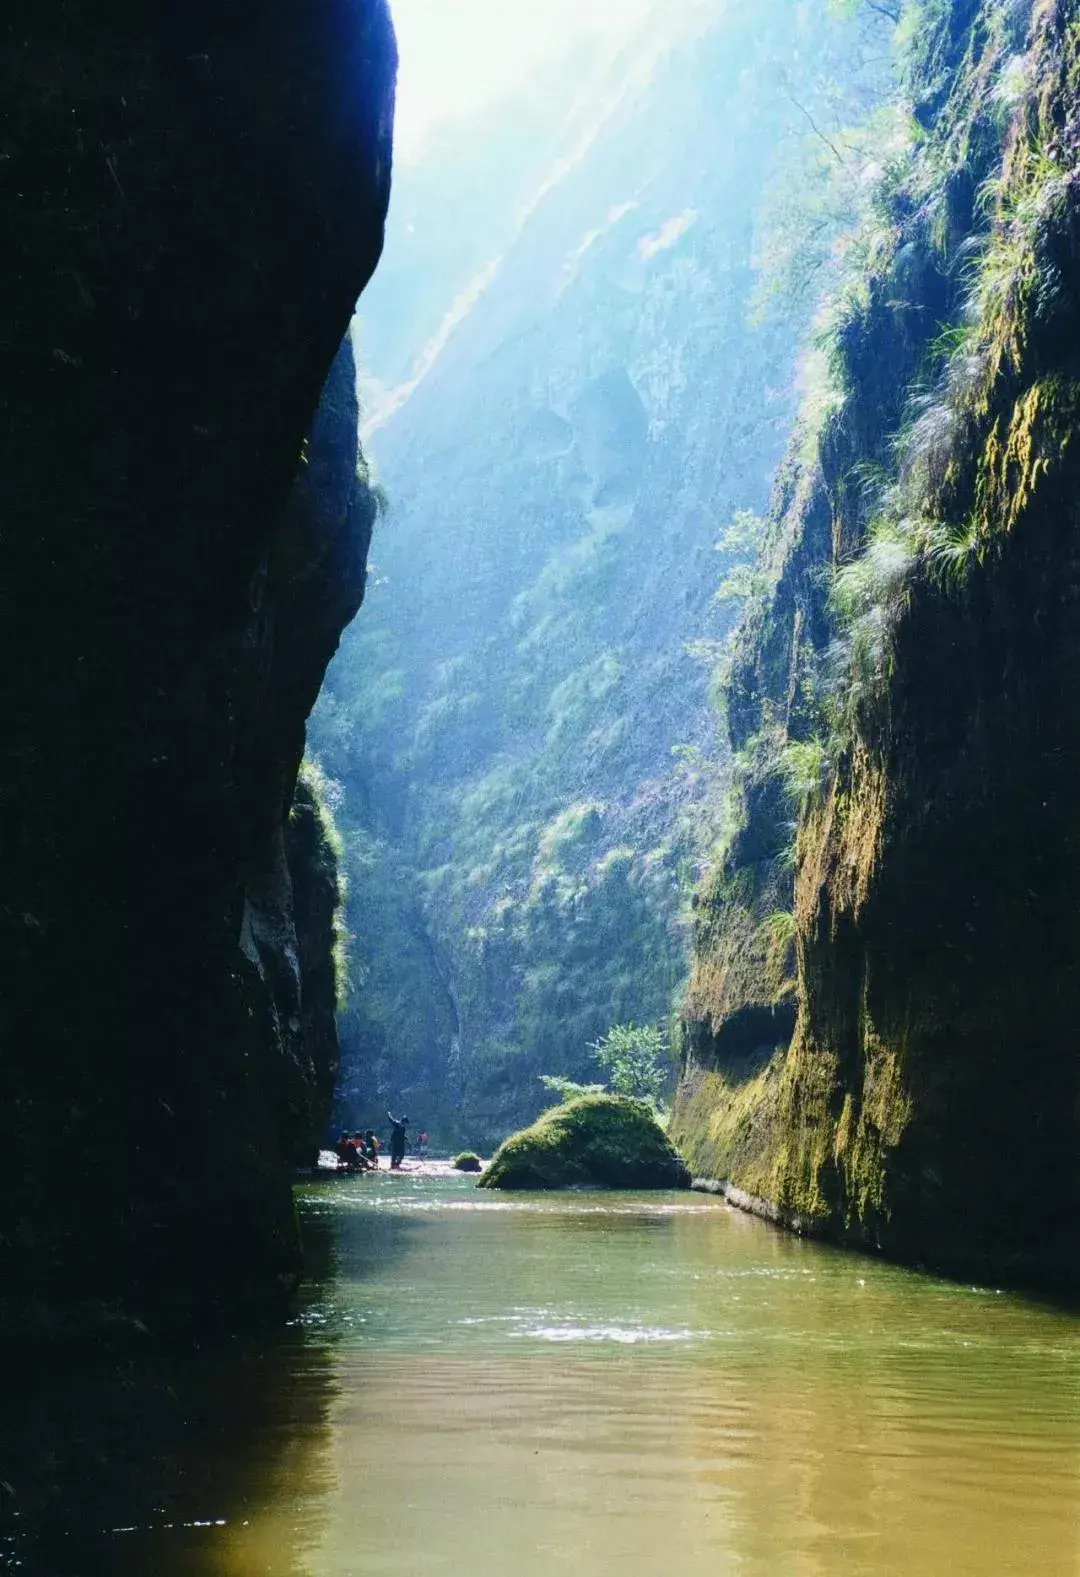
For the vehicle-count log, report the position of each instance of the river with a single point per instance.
(508, 1386)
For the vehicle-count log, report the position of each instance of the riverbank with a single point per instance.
(987, 1271)
(764, 1209)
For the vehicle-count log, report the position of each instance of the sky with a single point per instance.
(458, 55)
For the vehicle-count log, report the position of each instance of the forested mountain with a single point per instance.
(579, 380)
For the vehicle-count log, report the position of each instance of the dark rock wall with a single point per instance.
(193, 199)
(924, 1098)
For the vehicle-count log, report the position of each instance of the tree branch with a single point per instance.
(815, 128)
(892, 12)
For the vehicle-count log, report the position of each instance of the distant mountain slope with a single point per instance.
(521, 720)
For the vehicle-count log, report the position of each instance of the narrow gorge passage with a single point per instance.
(578, 367)
(588, 1383)
(540, 597)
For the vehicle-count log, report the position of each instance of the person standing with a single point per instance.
(398, 1126)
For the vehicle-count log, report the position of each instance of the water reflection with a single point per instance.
(585, 1384)
(596, 1385)
(132, 1460)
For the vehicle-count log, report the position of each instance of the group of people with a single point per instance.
(360, 1152)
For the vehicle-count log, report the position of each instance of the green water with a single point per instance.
(592, 1384)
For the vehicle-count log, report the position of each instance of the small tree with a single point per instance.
(635, 1058)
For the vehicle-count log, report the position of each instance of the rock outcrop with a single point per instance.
(881, 1029)
(467, 1161)
(194, 197)
(596, 1141)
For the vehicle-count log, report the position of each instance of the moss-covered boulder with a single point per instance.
(467, 1161)
(598, 1141)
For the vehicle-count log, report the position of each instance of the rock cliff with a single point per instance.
(880, 1038)
(194, 197)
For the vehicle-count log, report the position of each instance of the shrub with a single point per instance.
(803, 766)
(636, 1059)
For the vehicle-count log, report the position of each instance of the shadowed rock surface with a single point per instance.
(194, 198)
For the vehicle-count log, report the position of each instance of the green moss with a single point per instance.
(313, 798)
(791, 1136)
(467, 1161)
(715, 1121)
(599, 1141)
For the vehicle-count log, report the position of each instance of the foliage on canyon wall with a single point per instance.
(907, 688)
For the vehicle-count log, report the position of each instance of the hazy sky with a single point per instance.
(459, 54)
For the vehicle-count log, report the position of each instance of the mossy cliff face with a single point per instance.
(194, 205)
(926, 1102)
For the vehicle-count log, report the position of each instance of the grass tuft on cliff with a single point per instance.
(599, 1141)
(312, 817)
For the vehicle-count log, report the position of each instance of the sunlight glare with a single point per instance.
(459, 55)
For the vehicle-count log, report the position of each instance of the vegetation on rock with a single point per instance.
(597, 1141)
(569, 1089)
(313, 851)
